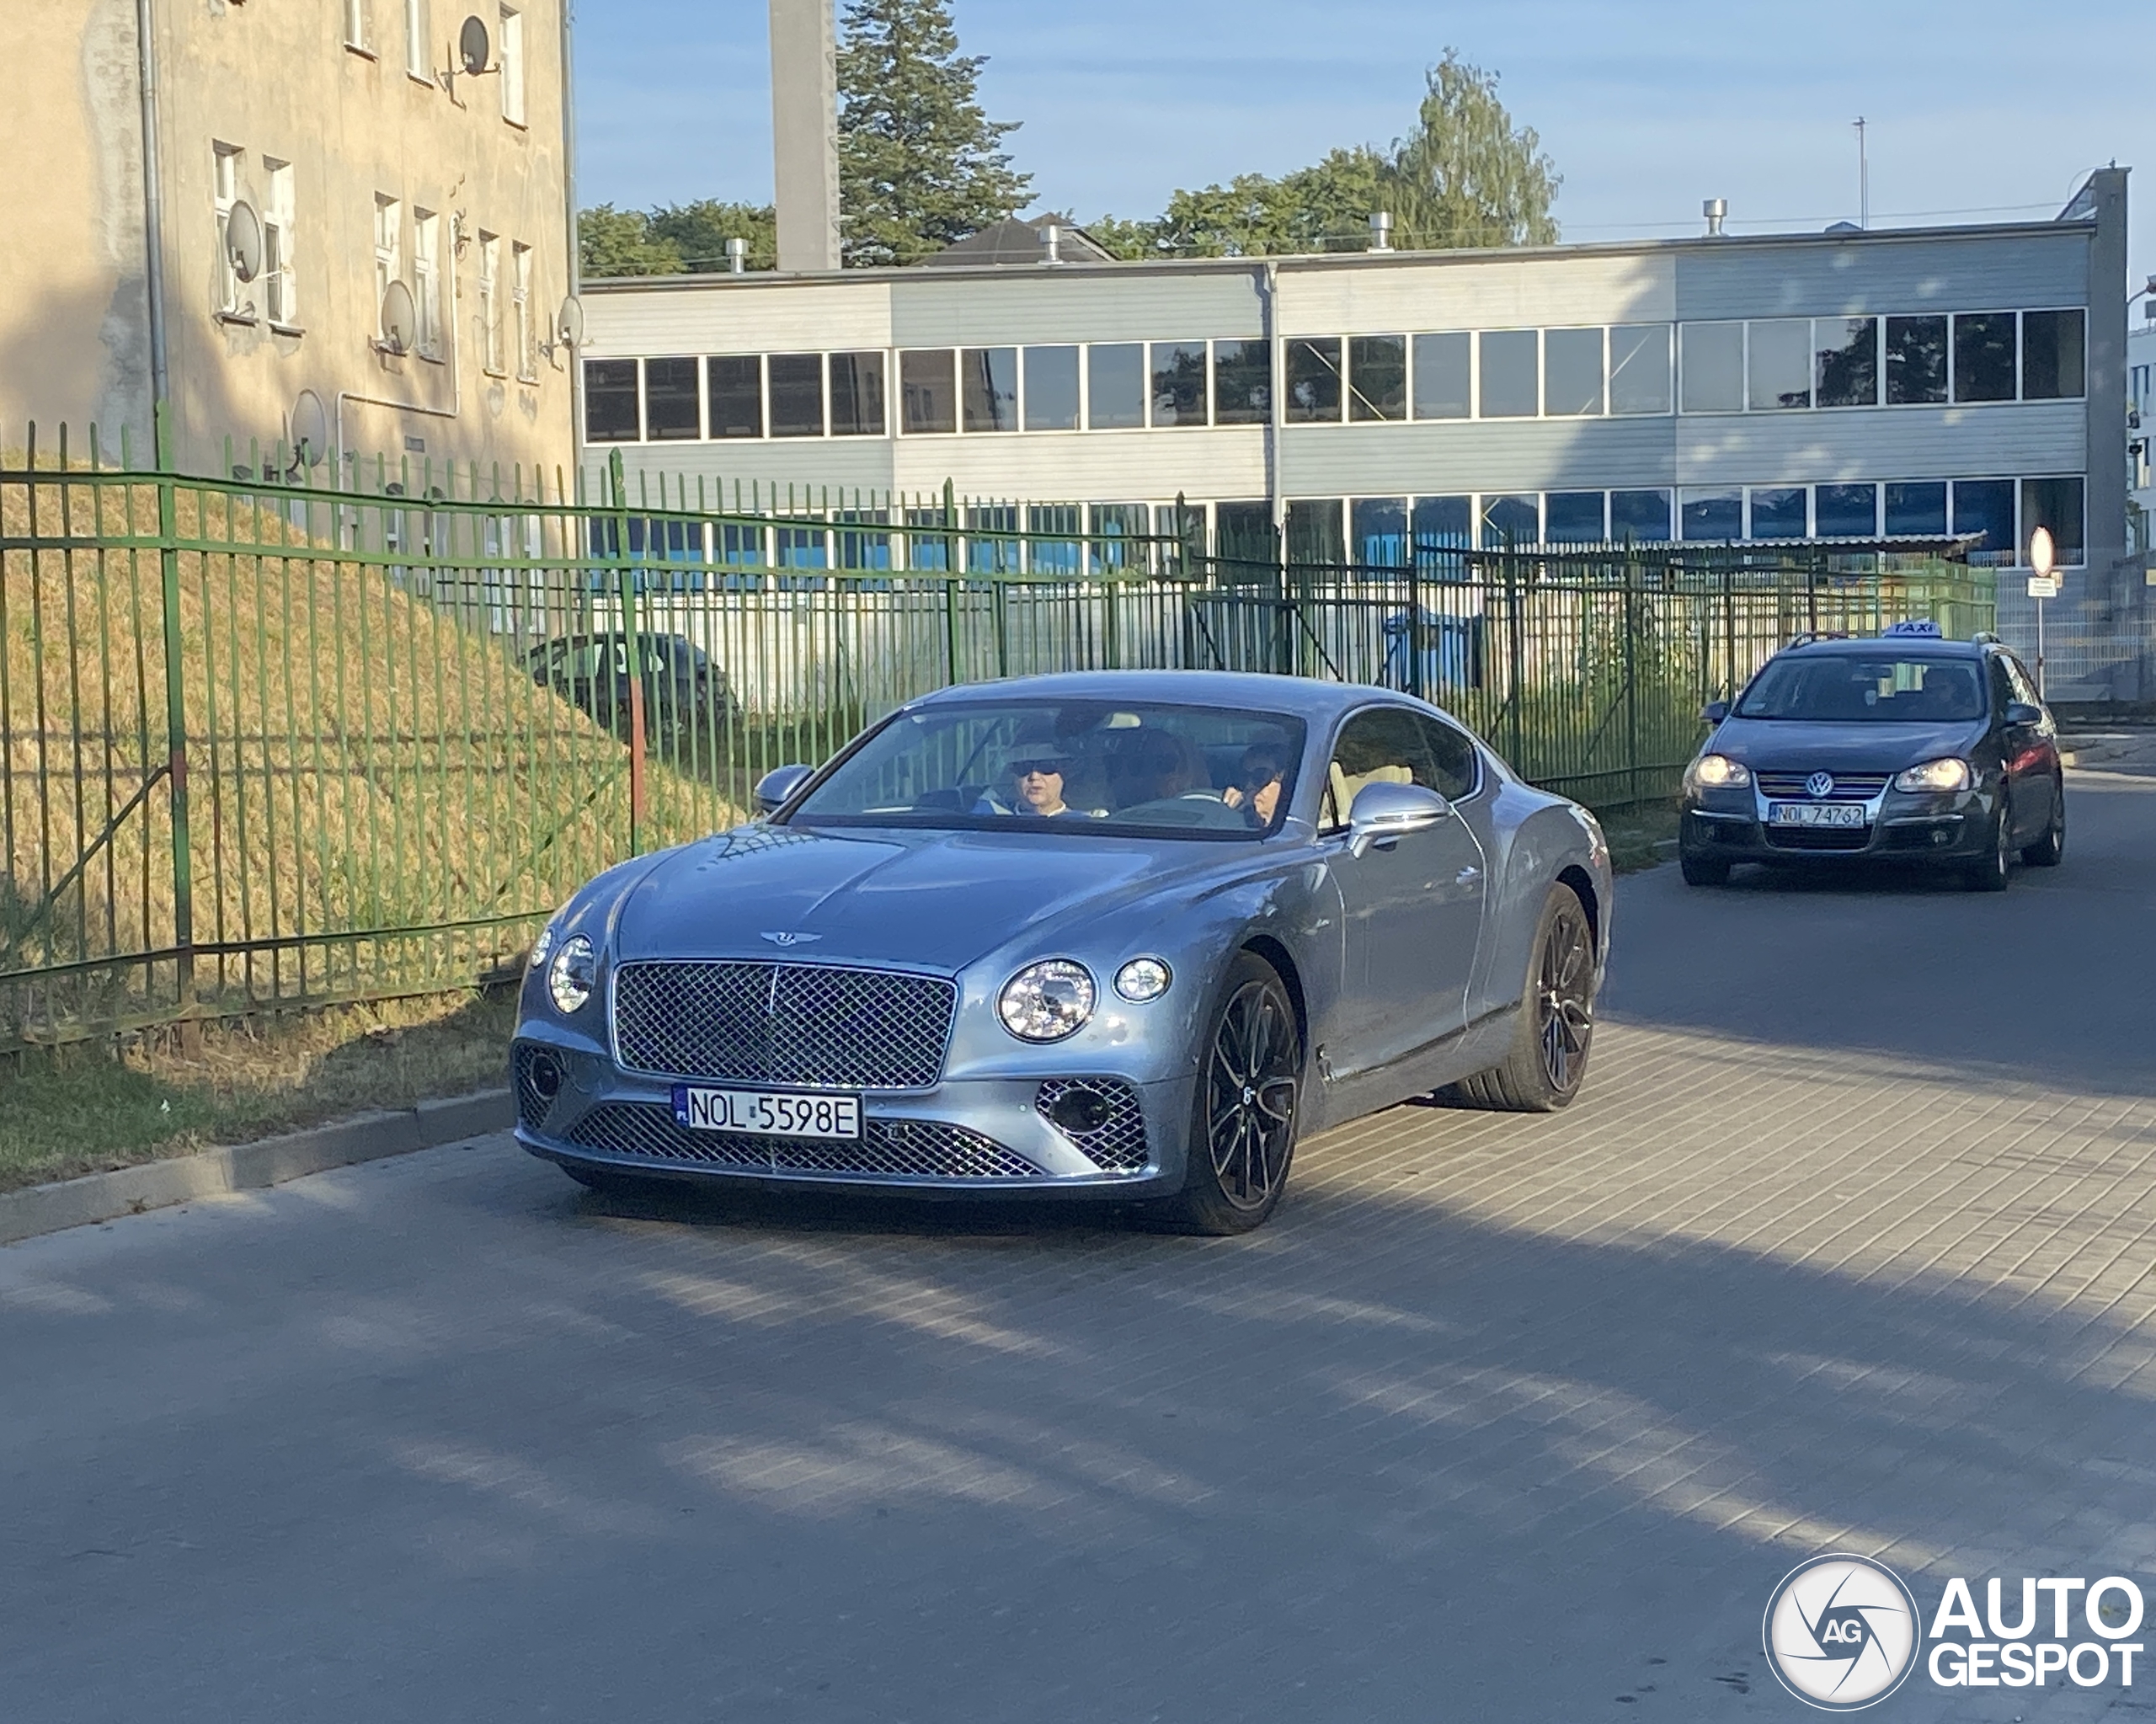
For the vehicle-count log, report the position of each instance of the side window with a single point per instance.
(2024, 689)
(2002, 685)
(1454, 768)
(1383, 745)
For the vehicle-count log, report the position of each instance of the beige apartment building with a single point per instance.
(346, 145)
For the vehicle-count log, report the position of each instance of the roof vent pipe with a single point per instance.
(1052, 241)
(1715, 209)
(737, 255)
(1381, 230)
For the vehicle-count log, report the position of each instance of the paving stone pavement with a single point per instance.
(1849, 1244)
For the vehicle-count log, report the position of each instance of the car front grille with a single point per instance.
(819, 1026)
(1843, 838)
(927, 1148)
(1849, 786)
(533, 1104)
(1117, 1143)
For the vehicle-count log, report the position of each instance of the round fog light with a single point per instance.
(546, 1077)
(1143, 978)
(1079, 1111)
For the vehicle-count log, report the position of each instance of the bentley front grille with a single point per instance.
(817, 1026)
(925, 1148)
(1101, 1117)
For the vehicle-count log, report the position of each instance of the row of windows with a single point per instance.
(420, 49)
(1763, 365)
(1383, 531)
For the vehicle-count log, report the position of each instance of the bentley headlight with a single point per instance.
(572, 974)
(1935, 775)
(1143, 978)
(540, 947)
(1718, 772)
(1045, 1002)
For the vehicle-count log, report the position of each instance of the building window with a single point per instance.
(225, 192)
(1985, 508)
(1573, 517)
(388, 253)
(1377, 378)
(1243, 531)
(1712, 515)
(928, 390)
(520, 288)
(736, 394)
(1442, 524)
(1983, 356)
(1710, 368)
(1051, 388)
(1639, 372)
(1314, 532)
(1313, 390)
(1178, 382)
(1642, 516)
(797, 382)
(1916, 360)
(1845, 361)
(672, 413)
(1845, 511)
(2056, 503)
(416, 46)
(1511, 521)
(1444, 376)
(280, 303)
(357, 35)
(1242, 382)
(857, 395)
(988, 388)
(426, 279)
(1377, 526)
(1917, 509)
(1777, 512)
(1777, 363)
(611, 413)
(490, 302)
(1510, 380)
(509, 59)
(1571, 366)
(2054, 356)
(1115, 386)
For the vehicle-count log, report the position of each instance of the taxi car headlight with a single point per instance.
(1717, 772)
(572, 974)
(1935, 775)
(1045, 1002)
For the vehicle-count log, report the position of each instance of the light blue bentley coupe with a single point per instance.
(1118, 935)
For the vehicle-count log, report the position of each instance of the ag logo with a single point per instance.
(1842, 1632)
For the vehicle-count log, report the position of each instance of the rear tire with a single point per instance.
(2049, 850)
(1248, 1109)
(1555, 1028)
(1702, 870)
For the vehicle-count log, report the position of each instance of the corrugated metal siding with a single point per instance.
(1501, 294)
(835, 462)
(1833, 278)
(727, 318)
(940, 309)
(1884, 443)
(1097, 466)
(1526, 455)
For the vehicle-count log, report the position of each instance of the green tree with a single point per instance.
(698, 232)
(611, 242)
(1466, 176)
(920, 164)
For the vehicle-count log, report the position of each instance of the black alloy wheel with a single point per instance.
(1249, 1087)
(1555, 1031)
(2050, 850)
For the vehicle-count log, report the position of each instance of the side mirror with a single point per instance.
(777, 787)
(1714, 711)
(2022, 712)
(1385, 812)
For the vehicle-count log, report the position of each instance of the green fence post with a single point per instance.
(1631, 682)
(182, 864)
(626, 587)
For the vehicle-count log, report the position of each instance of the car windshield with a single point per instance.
(1875, 688)
(1068, 767)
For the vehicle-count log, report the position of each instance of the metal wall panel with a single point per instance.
(838, 463)
(937, 308)
(1882, 443)
(1879, 273)
(737, 315)
(1430, 293)
(1517, 454)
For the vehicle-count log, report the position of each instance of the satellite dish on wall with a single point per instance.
(473, 46)
(568, 322)
(310, 429)
(243, 241)
(400, 318)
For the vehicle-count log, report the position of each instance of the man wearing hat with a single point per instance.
(1036, 771)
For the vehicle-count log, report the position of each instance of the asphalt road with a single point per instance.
(1848, 1245)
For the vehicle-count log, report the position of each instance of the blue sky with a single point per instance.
(1977, 111)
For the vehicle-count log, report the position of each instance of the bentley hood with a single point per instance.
(934, 900)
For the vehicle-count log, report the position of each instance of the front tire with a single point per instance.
(1556, 1029)
(1243, 1122)
(1702, 870)
(2049, 850)
(1996, 870)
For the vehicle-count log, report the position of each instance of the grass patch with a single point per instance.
(1641, 835)
(86, 1108)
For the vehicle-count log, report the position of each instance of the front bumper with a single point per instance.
(976, 1137)
(1899, 827)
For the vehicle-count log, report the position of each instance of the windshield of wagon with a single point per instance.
(1879, 688)
(1068, 768)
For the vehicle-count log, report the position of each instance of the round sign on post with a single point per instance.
(2043, 558)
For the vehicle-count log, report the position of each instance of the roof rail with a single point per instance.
(1816, 634)
(1985, 637)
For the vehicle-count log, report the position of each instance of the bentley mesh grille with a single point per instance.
(532, 1106)
(1117, 1143)
(921, 1148)
(817, 1025)
(1849, 786)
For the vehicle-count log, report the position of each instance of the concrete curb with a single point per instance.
(156, 1185)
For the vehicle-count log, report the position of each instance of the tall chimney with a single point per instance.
(1381, 230)
(805, 133)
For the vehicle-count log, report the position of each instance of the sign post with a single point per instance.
(2043, 584)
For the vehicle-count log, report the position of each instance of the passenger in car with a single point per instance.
(1158, 766)
(1258, 778)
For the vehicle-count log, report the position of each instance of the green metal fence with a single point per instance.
(269, 745)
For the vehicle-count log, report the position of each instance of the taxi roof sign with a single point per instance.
(1922, 626)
